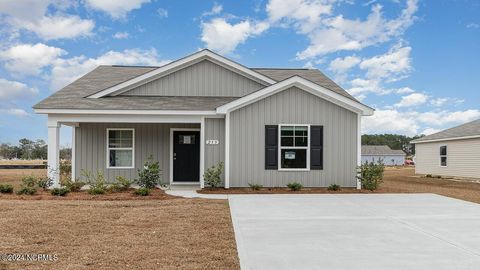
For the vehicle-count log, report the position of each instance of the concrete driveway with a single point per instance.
(361, 231)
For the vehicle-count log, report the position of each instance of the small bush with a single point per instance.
(371, 175)
(96, 182)
(124, 182)
(295, 186)
(115, 187)
(44, 183)
(255, 186)
(212, 175)
(428, 176)
(6, 189)
(59, 191)
(26, 191)
(29, 181)
(334, 187)
(149, 176)
(96, 191)
(142, 191)
(65, 168)
(73, 186)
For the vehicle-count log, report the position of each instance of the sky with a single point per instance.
(416, 62)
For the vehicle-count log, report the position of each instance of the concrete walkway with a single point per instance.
(356, 231)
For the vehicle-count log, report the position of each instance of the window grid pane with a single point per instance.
(296, 136)
(120, 138)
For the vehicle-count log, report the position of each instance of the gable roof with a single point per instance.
(465, 131)
(380, 150)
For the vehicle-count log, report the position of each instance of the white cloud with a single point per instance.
(11, 90)
(413, 99)
(121, 35)
(16, 112)
(216, 9)
(404, 90)
(392, 66)
(117, 9)
(32, 16)
(429, 131)
(64, 71)
(162, 13)
(341, 65)
(221, 36)
(362, 86)
(338, 33)
(447, 118)
(28, 59)
(473, 25)
(438, 101)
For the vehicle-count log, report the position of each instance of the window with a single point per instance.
(294, 147)
(443, 155)
(120, 145)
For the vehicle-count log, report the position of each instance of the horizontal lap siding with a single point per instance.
(150, 139)
(387, 160)
(463, 158)
(293, 106)
(214, 153)
(202, 79)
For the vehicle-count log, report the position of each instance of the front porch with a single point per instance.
(119, 146)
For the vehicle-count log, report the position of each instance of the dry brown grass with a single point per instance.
(21, 162)
(14, 176)
(154, 234)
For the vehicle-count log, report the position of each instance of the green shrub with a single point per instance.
(96, 182)
(212, 175)
(59, 191)
(334, 187)
(428, 176)
(24, 190)
(44, 183)
(6, 189)
(65, 168)
(124, 182)
(255, 186)
(29, 181)
(371, 175)
(295, 186)
(115, 187)
(149, 176)
(73, 186)
(96, 191)
(142, 191)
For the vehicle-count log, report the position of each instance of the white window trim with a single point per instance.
(440, 156)
(293, 147)
(122, 148)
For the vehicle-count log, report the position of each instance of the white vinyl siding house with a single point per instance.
(269, 126)
(454, 152)
(383, 154)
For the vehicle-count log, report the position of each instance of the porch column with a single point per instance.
(53, 169)
(359, 148)
(202, 152)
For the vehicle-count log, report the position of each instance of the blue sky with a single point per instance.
(415, 62)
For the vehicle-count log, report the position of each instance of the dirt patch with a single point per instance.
(159, 234)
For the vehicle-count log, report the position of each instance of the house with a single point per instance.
(383, 153)
(269, 126)
(452, 152)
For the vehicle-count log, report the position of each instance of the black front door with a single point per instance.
(186, 156)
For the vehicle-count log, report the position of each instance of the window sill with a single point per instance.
(113, 168)
(294, 170)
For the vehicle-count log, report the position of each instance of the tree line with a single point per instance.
(29, 149)
(394, 141)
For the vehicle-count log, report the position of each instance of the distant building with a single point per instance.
(383, 153)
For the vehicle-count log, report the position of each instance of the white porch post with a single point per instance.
(53, 169)
(73, 151)
(227, 150)
(359, 147)
(202, 151)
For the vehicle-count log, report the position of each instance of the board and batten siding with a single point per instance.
(293, 106)
(214, 153)
(463, 158)
(201, 79)
(150, 139)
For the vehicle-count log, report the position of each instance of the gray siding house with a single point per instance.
(269, 126)
(453, 152)
(384, 154)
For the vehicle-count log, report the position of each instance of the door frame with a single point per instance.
(171, 156)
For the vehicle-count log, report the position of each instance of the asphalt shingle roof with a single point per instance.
(380, 150)
(73, 96)
(467, 129)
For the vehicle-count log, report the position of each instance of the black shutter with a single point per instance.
(316, 147)
(271, 147)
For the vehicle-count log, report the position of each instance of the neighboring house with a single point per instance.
(269, 126)
(452, 152)
(383, 153)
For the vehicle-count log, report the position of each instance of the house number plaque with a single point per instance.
(212, 142)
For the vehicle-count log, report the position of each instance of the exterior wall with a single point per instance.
(292, 106)
(387, 160)
(202, 79)
(463, 158)
(150, 139)
(214, 153)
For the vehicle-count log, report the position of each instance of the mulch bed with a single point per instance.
(279, 190)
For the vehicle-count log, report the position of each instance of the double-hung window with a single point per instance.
(443, 156)
(120, 147)
(294, 147)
